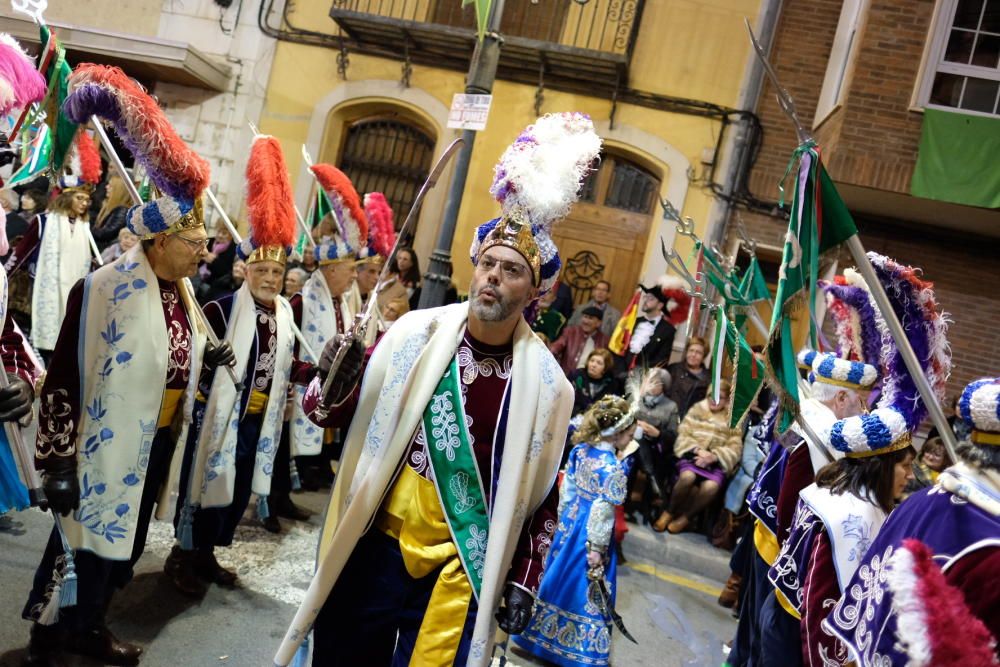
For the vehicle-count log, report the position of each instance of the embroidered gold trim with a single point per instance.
(902, 443)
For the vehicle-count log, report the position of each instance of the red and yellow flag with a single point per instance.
(623, 330)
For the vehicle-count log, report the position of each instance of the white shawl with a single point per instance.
(404, 370)
(215, 471)
(319, 324)
(63, 258)
(123, 352)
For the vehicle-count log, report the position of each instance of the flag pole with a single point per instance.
(864, 267)
(119, 166)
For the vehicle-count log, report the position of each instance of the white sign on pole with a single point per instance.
(469, 112)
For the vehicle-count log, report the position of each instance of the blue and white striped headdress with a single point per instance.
(166, 214)
(828, 368)
(900, 410)
(979, 407)
(536, 181)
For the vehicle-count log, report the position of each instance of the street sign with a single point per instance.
(469, 112)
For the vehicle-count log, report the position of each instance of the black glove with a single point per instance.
(62, 489)
(222, 355)
(513, 617)
(347, 374)
(15, 399)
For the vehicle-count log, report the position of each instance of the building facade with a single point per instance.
(901, 97)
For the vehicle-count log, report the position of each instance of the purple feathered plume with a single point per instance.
(96, 100)
(900, 391)
(858, 300)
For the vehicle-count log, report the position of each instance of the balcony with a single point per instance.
(566, 45)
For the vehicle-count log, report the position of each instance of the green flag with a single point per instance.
(482, 15)
(56, 71)
(753, 285)
(819, 221)
(36, 161)
(748, 375)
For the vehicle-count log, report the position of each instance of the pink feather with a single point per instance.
(381, 230)
(18, 72)
(4, 244)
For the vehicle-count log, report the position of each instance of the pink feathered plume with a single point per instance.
(381, 229)
(20, 82)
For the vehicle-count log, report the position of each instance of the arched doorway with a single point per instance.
(605, 234)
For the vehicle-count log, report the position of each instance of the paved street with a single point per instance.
(670, 611)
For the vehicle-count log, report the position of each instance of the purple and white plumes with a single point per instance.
(862, 332)
(541, 172)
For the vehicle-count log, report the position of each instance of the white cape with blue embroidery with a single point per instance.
(399, 381)
(215, 470)
(124, 345)
(319, 324)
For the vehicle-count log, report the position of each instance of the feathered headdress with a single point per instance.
(20, 82)
(176, 170)
(979, 407)
(350, 223)
(536, 181)
(381, 230)
(270, 204)
(672, 291)
(82, 170)
(850, 304)
(900, 408)
(934, 626)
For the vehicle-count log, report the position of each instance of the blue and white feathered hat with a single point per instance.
(979, 407)
(828, 368)
(900, 409)
(536, 181)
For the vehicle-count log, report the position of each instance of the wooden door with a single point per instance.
(604, 236)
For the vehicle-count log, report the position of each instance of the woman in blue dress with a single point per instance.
(567, 627)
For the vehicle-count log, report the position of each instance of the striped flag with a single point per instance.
(623, 330)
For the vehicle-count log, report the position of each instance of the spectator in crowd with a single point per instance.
(229, 283)
(708, 452)
(111, 216)
(563, 302)
(574, 345)
(690, 376)
(958, 425)
(594, 381)
(33, 202)
(658, 424)
(216, 272)
(406, 269)
(126, 239)
(599, 296)
(663, 307)
(932, 460)
(549, 322)
(309, 261)
(16, 224)
(295, 278)
(393, 310)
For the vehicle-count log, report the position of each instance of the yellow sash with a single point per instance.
(168, 408)
(413, 515)
(256, 403)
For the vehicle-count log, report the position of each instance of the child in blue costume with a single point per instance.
(567, 627)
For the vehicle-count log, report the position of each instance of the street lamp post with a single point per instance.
(482, 74)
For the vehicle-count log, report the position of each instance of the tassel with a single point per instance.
(185, 527)
(262, 511)
(67, 596)
(301, 658)
(294, 472)
(50, 612)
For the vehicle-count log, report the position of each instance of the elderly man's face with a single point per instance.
(589, 324)
(264, 279)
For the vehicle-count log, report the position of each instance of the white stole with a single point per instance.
(63, 258)
(319, 324)
(123, 370)
(215, 468)
(400, 378)
(851, 524)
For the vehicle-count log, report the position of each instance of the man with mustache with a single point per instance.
(444, 503)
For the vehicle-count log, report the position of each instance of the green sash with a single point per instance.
(456, 474)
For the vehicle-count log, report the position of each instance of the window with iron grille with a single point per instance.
(390, 156)
(626, 185)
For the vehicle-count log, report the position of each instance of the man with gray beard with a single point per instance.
(445, 500)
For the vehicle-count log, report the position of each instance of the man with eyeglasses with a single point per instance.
(118, 398)
(56, 253)
(444, 502)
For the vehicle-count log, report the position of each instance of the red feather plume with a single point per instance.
(270, 202)
(90, 158)
(335, 181)
(678, 300)
(382, 231)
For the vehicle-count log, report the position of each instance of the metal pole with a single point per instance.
(137, 199)
(482, 73)
(909, 357)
